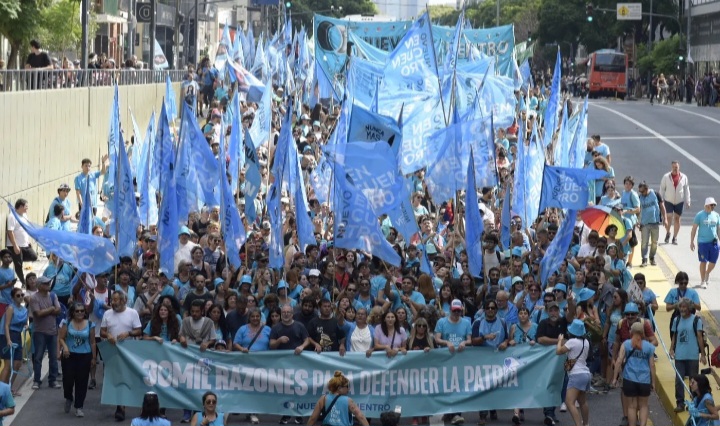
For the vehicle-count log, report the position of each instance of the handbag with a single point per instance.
(633, 238)
(570, 363)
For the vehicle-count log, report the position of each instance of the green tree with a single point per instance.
(62, 29)
(10, 8)
(22, 28)
(663, 58)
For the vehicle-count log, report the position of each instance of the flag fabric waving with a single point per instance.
(474, 227)
(567, 188)
(558, 248)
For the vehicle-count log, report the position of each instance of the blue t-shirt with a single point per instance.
(599, 183)
(18, 322)
(484, 327)
(78, 340)
(80, 181)
(64, 226)
(163, 331)
(454, 333)
(416, 297)
(244, 336)
(158, 421)
(63, 278)
(520, 336)
(674, 295)
(707, 224)
(637, 366)
(6, 398)
(686, 344)
(649, 208)
(339, 413)
(219, 421)
(630, 200)
(6, 275)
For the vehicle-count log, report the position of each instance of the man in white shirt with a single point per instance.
(185, 247)
(675, 191)
(18, 241)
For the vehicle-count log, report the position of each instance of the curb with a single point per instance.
(664, 370)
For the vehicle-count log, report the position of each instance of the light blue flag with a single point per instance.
(414, 56)
(279, 167)
(87, 253)
(526, 73)
(260, 66)
(368, 126)
(232, 228)
(87, 217)
(567, 188)
(578, 147)
(533, 177)
(250, 57)
(550, 119)
(321, 180)
(235, 149)
(253, 180)
(558, 248)
(168, 224)
(113, 138)
(452, 54)
(148, 208)
(305, 228)
(202, 160)
(245, 43)
(363, 82)
(170, 100)
(481, 136)
(223, 51)
(276, 259)
(448, 174)
(420, 119)
(137, 146)
(323, 88)
(506, 218)
(561, 151)
(185, 179)
(474, 226)
(260, 128)
(402, 217)
(124, 207)
(371, 168)
(238, 53)
(163, 152)
(356, 226)
(246, 82)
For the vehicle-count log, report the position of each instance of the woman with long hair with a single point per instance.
(426, 288)
(11, 326)
(197, 264)
(600, 163)
(636, 363)
(262, 282)
(339, 405)
(577, 349)
(216, 314)
(444, 299)
(164, 325)
(704, 410)
(389, 336)
(613, 315)
(77, 343)
(209, 416)
(522, 333)
(150, 412)
(421, 339)
(403, 320)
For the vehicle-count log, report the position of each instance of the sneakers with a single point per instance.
(284, 420)
(624, 421)
(187, 415)
(68, 405)
(36, 385)
(516, 420)
(704, 285)
(652, 261)
(549, 421)
(79, 412)
(563, 408)
(667, 238)
(92, 385)
(55, 385)
(254, 419)
(680, 407)
(674, 241)
(120, 415)
(298, 420)
(457, 419)
(593, 391)
(644, 263)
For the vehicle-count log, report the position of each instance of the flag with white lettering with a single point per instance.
(567, 188)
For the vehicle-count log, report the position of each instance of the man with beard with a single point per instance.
(324, 331)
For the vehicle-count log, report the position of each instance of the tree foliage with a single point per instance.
(62, 29)
(303, 10)
(22, 28)
(10, 8)
(663, 58)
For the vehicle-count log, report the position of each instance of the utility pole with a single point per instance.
(132, 24)
(497, 13)
(153, 5)
(176, 56)
(84, 19)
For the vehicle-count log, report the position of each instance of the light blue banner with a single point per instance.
(279, 382)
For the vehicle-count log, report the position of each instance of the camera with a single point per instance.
(706, 371)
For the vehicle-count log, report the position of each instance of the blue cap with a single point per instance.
(576, 328)
(561, 287)
(584, 294)
(246, 279)
(517, 251)
(282, 284)
(631, 308)
(218, 281)
(184, 230)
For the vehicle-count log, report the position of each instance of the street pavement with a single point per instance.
(643, 139)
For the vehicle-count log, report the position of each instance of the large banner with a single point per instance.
(279, 382)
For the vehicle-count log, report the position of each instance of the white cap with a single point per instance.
(710, 201)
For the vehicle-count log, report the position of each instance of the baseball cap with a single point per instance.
(517, 280)
(43, 280)
(631, 308)
(456, 305)
(314, 273)
(517, 251)
(63, 187)
(551, 305)
(710, 201)
(184, 230)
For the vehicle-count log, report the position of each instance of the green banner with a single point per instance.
(279, 382)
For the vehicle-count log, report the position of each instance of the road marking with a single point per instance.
(694, 113)
(613, 138)
(667, 141)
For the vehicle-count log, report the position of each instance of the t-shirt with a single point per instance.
(707, 226)
(454, 332)
(245, 336)
(579, 350)
(484, 327)
(674, 295)
(296, 332)
(21, 237)
(38, 60)
(80, 182)
(157, 421)
(326, 332)
(46, 324)
(233, 322)
(547, 328)
(120, 322)
(637, 366)
(6, 275)
(192, 296)
(6, 398)
(686, 343)
(394, 340)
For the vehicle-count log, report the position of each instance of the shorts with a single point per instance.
(579, 381)
(708, 252)
(15, 337)
(632, 389)
(671, 208)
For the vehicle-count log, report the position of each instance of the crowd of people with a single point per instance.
(327, 299)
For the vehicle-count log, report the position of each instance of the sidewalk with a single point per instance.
(660, 279)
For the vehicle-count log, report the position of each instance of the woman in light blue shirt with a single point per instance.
(522, 333)
(11, 326)
(77, 343)
(209, 416)
(150, 412)
(636, 363)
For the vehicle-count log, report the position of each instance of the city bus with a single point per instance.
(607, 74)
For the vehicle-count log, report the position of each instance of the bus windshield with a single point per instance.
(609, 62)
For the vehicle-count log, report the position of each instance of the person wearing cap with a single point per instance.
(86, 177)
(636, 363)
(185, 247)
(675, 190)
(45, 307)
(705, 225)
(577, 348)
(454, 332)
(62, 199)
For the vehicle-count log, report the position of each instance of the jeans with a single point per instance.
(76, 372)
(686, 368)
(649, 233)
(43, 342)
(26, 254)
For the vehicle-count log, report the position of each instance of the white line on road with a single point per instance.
(613, 138)
(694, 113)
(667, 141)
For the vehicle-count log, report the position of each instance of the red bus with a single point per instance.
(607, 74)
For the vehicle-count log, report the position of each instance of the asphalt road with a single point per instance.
(644, 139)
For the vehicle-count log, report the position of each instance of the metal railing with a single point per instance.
(58, 79)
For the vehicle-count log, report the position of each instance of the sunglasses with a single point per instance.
(80, 311)
(631, 314)
(211, 401)
(351, 289)
(421, 326)
(491, 308)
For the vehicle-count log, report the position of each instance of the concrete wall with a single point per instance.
(45, 134)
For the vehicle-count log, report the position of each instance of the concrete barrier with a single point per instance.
(46, 134)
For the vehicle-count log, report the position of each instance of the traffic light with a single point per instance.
(589, 12)
(681, 58)
(529, 37)
(288, 5)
